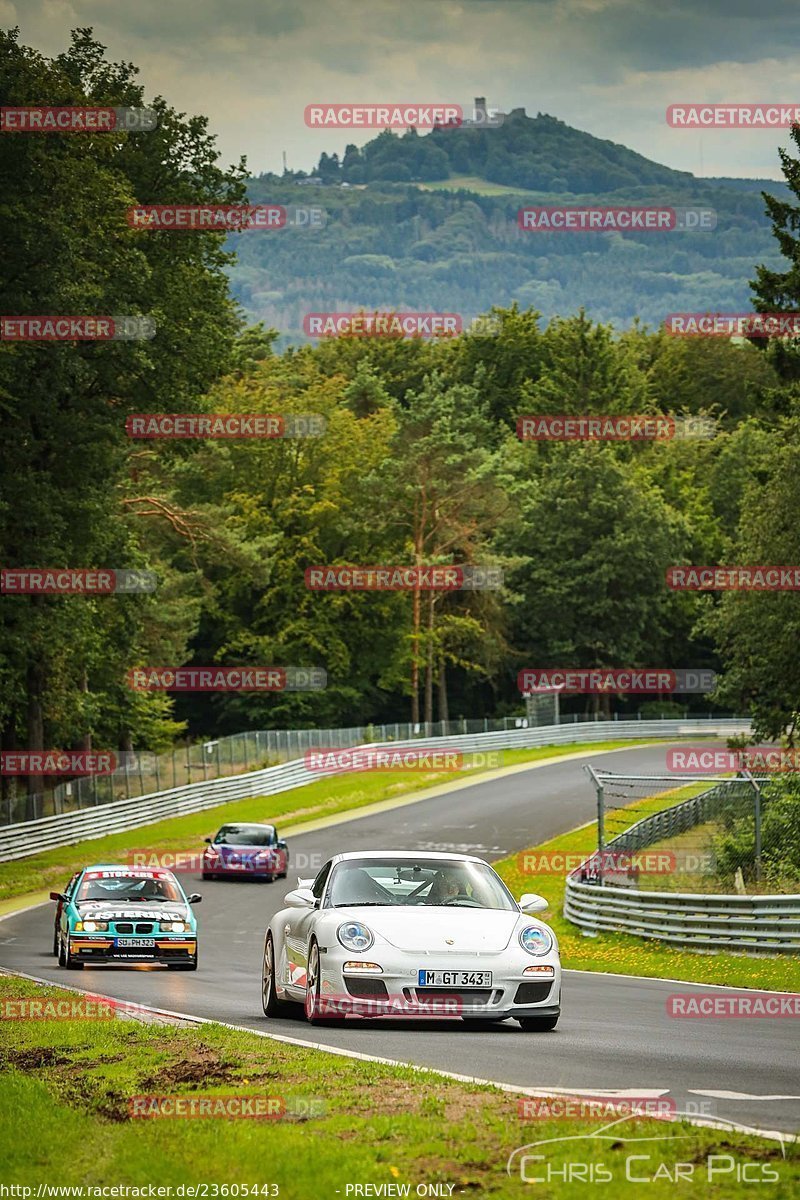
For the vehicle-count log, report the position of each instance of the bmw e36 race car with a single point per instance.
(119, 914)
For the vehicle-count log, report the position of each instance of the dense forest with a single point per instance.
(583, 532)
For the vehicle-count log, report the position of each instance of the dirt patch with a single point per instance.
(34, 1060)
(79, 1091)
(201, 1065)
(392, 1097)
(460, 1106)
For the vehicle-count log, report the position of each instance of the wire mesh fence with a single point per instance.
(217, 757)
(256, 749)
(738, 835)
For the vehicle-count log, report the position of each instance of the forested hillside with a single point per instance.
(430, 223)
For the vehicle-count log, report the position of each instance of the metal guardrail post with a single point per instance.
(757, 819)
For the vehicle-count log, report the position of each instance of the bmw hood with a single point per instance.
(117, 910)
(441, 930)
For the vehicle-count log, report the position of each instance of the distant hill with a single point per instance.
(540, 153)
(404, 233)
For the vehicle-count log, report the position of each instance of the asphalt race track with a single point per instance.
(614, 1033)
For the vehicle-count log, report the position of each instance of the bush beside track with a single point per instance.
(65, 1118)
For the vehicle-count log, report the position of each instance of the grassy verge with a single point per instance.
(619, 952)
(65, 1120)
(327, 797)
(696, 848)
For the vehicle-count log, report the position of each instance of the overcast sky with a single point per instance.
(609, 67)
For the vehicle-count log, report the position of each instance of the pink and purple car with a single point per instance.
(246, 850)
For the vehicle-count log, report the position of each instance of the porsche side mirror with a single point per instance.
(195, 898)
(57, 896)
(300, 898)
(531, 903)
(207, 840)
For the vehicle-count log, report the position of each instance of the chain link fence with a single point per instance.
(217, 757)
(738, 835)
(256, 749)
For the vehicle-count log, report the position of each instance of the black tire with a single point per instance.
(313, 1003)
(72, 964)
(208, 875)
(538, 1024)
(62, 958)
(271, 1004)
(56, 946)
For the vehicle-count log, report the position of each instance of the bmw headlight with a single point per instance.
(355, 936)
(94, 926)
(173, 926)
(535, 940)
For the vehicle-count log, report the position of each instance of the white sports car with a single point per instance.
(400, 933)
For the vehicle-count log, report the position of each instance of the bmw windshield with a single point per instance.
(129, 889)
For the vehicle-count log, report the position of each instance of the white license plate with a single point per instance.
(149, 942)
(463, 979)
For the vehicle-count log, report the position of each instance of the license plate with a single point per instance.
(454, 979)
(123, 942)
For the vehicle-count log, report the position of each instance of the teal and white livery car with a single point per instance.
(122, 914)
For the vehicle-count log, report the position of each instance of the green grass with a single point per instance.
(33, 877)
(627, 955)
(65, 1120)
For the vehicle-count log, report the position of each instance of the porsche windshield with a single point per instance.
(365, 882)
(137, 889)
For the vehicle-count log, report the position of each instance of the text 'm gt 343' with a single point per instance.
(404, 934)
(119, 914)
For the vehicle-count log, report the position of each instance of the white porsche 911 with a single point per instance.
(400, 933)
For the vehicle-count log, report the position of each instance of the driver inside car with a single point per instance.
(446, 886)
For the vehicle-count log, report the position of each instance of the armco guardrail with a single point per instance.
(30, 837)
(690, 920)
(694, 922)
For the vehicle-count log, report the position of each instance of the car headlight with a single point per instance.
(173, 926)
(94, 926)
(355, 936)
(535, 940)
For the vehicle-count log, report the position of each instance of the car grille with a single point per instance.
(129, 927)
(532, 993)
(365, 987)
(465, 996)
